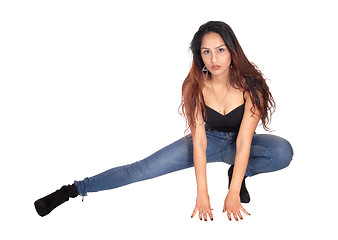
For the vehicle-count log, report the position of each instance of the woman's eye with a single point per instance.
(206, 52)
(221, 50)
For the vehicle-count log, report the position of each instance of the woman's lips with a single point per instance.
(215, 67)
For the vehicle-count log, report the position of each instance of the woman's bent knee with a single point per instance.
(269, 153)
(284, 152)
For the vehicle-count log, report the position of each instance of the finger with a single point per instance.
(234, 213)
(229, 215)
(211, 216)
(243, 210)
(240, 215)
(193, 213)
(200, 215)
(205, 216)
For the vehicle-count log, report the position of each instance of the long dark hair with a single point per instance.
(243, 74)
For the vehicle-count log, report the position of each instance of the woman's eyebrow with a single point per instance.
(215, 47)
(221, 46)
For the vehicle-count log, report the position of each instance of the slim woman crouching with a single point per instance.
(224, 97)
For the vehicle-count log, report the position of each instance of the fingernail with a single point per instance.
(205, 220)
(212, 219)
(201, 219)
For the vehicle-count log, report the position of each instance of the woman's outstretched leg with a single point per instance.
(176, 156)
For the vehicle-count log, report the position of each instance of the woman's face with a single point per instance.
(215, 54)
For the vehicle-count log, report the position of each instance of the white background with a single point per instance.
(90, 85)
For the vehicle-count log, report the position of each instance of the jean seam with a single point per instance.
(269, 158)
(223, 149)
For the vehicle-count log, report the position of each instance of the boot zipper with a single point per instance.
(83, 196)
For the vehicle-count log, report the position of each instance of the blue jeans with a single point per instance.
(268, 153)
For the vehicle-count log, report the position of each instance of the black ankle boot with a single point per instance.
(244, 194)
(46, 204)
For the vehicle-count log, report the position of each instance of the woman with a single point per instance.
(223, 98)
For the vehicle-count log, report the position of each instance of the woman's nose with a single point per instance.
(213, 58)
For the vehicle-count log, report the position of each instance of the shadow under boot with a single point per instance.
(46, 204)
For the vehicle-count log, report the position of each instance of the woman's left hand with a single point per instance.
(232, 205)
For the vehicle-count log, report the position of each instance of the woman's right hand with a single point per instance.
(203, 206)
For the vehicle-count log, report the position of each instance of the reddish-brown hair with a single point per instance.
(243, 74)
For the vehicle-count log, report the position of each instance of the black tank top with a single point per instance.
(225, 123)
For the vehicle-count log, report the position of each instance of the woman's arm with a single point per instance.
(243, 144)
(199, 155)
(199, 139)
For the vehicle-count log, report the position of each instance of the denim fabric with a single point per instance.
(268, 153)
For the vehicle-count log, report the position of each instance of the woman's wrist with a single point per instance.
(234, 191)
(202, 191)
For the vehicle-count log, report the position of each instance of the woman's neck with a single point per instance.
(220, 80)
